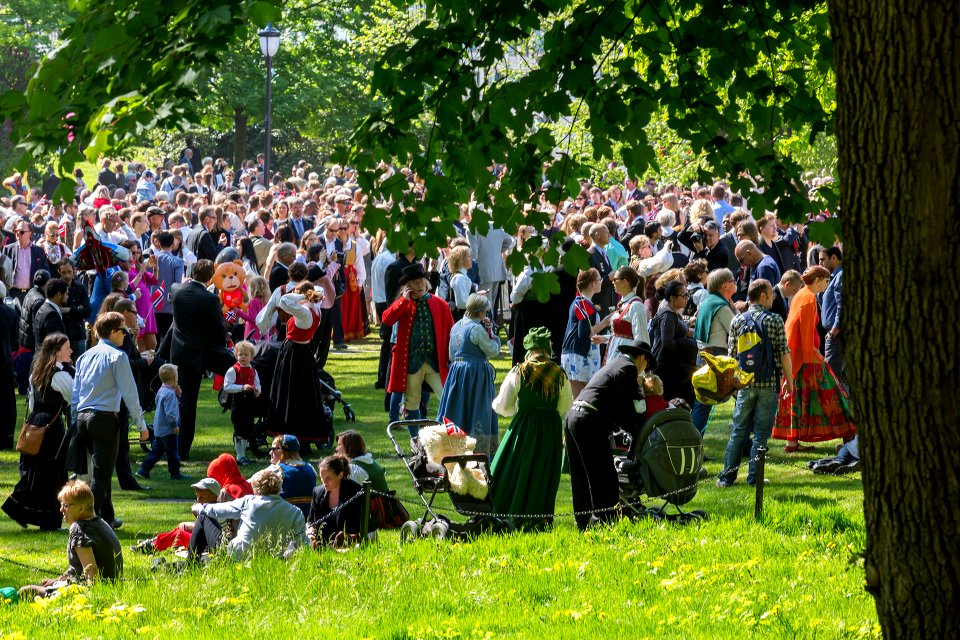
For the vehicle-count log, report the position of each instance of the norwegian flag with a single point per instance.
(231, 316)
(156, 298)
(62, 229)
(453, 430)
(583, 308)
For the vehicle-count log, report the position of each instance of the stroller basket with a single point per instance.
(431, 479)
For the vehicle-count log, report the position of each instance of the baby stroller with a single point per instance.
(430, 478)
(265, 361)
(662, 461)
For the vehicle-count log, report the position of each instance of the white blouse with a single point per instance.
(506, 405)
(61, 382)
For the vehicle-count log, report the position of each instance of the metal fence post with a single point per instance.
(365, 512)
(758, 503)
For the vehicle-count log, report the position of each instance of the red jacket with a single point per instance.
(402, 312)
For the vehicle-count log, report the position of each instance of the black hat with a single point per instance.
(412, 272)
(155, 211)
(315, 272)
(633, 348)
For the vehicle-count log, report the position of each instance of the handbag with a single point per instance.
(31, 436)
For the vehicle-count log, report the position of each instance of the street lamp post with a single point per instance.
(269, 43)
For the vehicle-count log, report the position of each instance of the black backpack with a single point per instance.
(754, 350)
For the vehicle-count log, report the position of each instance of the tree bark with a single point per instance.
(898, 134)
(239, 137)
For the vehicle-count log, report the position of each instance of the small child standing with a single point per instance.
(166, 427)
(259, 294)
(243, 384)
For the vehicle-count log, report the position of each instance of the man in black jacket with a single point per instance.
(25, 336)
(49, 318)
(197, 342)
(201, 241)
(75, 311)
(21, 275)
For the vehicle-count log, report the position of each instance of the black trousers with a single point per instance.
(190, 379)
(164, 320)
(383, 364)
(207, 534)
(336, 320)
(593, 478)
(321, 339)
(102, 431)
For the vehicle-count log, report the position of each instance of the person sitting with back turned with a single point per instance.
(266, 521)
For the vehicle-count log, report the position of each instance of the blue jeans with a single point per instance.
(850, 452)
(163, 445)
(755, 410)
(700, 414)
(396, 399)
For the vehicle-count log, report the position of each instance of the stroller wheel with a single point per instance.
(699, 514)
(409, 532)
(348, 413)
(439, 530)
(506, 525)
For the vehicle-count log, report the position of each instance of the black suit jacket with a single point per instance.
(108, 178)
(38, 259)
(306, 223)
(201, 242)
(279, 276)
(198, 328)
(48, 320)
(607, 295)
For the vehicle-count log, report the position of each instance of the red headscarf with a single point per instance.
(224, 470)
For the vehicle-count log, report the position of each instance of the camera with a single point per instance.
(696, 238)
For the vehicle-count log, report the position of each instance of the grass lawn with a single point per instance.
(795, 574)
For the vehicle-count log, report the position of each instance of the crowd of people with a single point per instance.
(674, 272)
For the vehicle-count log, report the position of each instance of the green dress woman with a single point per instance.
(526, 469)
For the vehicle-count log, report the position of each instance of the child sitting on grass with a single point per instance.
(243, 384)
(166, 427)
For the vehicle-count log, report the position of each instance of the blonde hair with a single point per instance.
(257, 287)
(459, 258)
(167, 373)
(669, 276)
(701, 209)
(245, 346)
(266, 483)
(77, 492)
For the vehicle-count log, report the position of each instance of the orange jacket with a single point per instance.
(801, 329)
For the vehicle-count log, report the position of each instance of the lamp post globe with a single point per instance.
(269, 45)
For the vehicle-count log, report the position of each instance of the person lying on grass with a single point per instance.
(93, 550)
(266, 521)
(207, 491)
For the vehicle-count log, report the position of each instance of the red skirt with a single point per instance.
(818, 410)
(351, 306)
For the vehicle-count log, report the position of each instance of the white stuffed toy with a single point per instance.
(440, 441)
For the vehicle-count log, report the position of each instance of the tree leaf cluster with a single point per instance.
(730, 77)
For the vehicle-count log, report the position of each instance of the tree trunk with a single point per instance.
(898, 133)
(239, 137)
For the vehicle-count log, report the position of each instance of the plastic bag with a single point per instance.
(718, 379)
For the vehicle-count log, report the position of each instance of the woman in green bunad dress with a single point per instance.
(526, 470)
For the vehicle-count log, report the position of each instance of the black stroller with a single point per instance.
(264, 361)
(432, 478)
(662, 462)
